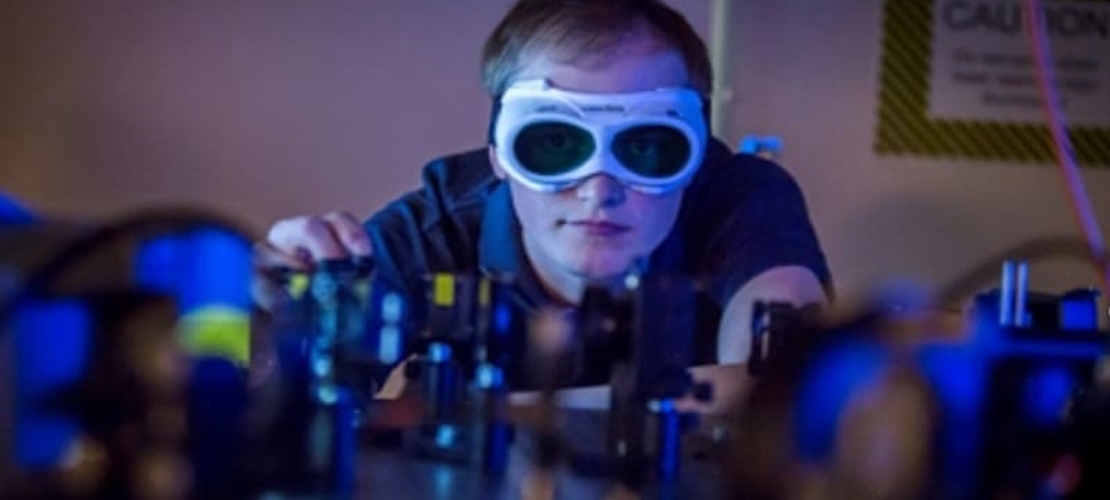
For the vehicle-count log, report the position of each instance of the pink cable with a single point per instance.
(1061, 143)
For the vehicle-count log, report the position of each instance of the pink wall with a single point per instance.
(266, 108)
(255, 108)
(810, 73)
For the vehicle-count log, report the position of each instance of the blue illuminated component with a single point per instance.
(12, 212)
(767, 146)
(957, 375)
(993, 340)
(1079, 310)
(502, 318)
(157, 264)
(219, 271)
(321, 366)
(955, 372)
(327, 395)
(1045, 349)
(385, 323)
(445, 436)
(51, 349)
(489, 376)
(208, 272)
(1046, 395)
(392, 308)
(661, 406)
(389, 346)
(438, 352)
(200, 268)
(843, 371)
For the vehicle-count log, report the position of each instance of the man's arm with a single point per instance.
(794, 284)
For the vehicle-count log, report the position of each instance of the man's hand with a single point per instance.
(297, 243)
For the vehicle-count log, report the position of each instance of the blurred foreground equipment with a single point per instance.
(139, 373)
(882, 403)
(107, 363)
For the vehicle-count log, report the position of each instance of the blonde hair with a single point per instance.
(572, 29)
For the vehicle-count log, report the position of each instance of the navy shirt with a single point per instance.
(740, 216)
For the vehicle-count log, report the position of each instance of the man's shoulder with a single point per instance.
(460, 180)
(728, 180)
(721, 164)
(437, 226)
(451, 185)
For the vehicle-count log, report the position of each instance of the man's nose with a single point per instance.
(602, 190)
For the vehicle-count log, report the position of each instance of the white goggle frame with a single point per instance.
(603, 116)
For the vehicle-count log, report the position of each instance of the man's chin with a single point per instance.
(603, 269)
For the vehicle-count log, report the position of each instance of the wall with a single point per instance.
(809, 73)
(262, 109)
(256, 108)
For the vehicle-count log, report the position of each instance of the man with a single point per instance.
(599, 160)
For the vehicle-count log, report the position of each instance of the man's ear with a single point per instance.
(497, 170)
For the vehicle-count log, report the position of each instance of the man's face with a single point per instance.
(600, 227)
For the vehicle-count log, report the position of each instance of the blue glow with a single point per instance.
(438, 352)
(1043, 349)
(957, 375)
(389, 345)
(1047, 393)
(993, 340)
(218, 270)
(11, 212)
(831, 381)
(327, 394)
(502, 318)
(762, 145)
(156, 264)
(445, 436)
(666, 405)
(200, 268)
(489, 376)
(385, 323)
(51, 350)
(1079, 315)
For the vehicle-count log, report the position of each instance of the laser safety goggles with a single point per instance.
(550, 139)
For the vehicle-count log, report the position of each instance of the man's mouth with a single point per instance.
(598, 227)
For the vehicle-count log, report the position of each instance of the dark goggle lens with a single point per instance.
(652, 150)
(551, 148)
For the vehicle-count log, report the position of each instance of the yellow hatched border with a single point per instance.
(904, 126)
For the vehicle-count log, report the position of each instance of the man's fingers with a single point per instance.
(311, 234)
(266, 289)
(297, 243)
(268, 256)
(350, 233)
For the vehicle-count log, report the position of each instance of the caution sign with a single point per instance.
(959, 80)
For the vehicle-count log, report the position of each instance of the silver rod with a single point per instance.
(721, 51)
(1021, 290)
(1006, 295)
